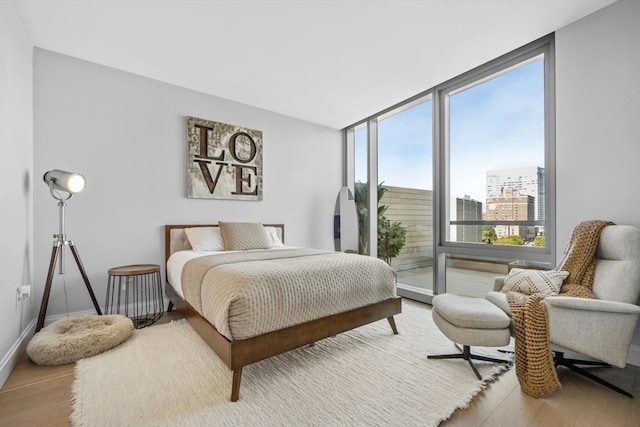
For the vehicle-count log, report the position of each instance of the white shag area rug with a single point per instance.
(166, 375)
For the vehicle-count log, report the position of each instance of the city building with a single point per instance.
(527, 181)
(468, 209)
(510, 205)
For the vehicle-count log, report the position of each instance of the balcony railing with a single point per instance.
(501, 222)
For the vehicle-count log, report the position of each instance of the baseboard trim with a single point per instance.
(50, 319)
(10, 360)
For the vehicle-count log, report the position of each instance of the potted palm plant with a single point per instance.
(391, 235)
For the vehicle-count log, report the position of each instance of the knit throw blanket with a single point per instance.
(534, 360)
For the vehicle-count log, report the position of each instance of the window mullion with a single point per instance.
(372, 182)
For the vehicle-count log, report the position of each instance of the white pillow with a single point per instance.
(272, 233)
(527, 281)
(205, 238)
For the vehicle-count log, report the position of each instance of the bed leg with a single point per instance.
(170, 306)
(235, 384)
(392, 323)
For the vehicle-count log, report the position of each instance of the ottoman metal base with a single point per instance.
(465, 353)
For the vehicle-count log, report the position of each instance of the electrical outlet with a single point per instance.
(26, 291)
(23, 292)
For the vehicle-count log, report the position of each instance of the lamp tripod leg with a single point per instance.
(47, 289)
(74, 251)
(55, 252)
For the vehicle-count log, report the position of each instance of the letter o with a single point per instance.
(232, 147)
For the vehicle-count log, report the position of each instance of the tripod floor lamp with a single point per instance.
(61, 182)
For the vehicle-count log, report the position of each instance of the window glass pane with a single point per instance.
(475, 276)
(360, 187)
(405, 194)
(361, 169)
(496, 158)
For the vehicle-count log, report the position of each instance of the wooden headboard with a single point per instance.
(175, 239)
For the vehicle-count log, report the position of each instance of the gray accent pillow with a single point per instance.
(240, 236)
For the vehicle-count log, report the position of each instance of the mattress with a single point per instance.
(249, 293)
(177, 260)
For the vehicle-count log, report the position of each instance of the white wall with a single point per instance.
(16, 181)
(127, 135)
(598, 122)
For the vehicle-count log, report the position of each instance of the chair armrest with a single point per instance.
(599, 329)
(498, 282)
(591, 305)
(499, 299)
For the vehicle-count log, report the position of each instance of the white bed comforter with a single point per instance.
(245, 294)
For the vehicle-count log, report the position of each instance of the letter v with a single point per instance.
(211, 183)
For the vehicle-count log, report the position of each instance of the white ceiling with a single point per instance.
(329, 62)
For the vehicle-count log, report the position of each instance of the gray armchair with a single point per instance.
(600, 328)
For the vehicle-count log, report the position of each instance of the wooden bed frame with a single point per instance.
(239, 353)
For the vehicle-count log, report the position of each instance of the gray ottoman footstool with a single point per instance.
(470, 321)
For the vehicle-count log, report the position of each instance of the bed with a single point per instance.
(227, 295)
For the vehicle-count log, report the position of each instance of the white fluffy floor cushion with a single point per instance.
(67, 340)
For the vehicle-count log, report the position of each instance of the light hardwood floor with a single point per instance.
(40, 396)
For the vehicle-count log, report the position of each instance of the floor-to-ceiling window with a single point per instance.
(399, 181)
(495, 133)
(465, 174)
(405, 177)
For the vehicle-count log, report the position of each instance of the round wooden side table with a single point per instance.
(136, 292)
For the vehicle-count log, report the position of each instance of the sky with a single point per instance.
(497, 124)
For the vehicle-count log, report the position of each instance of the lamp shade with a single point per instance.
(67, 181)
